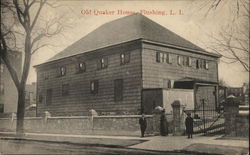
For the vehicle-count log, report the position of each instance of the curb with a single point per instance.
(104, 145)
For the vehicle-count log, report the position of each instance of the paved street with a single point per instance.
(35, 147)
(45, 143)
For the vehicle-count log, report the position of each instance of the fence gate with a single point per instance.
(207, 121)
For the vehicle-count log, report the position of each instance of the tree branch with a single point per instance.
(42, 2)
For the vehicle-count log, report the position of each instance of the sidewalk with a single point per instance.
(203, 144)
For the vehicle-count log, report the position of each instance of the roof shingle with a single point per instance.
(125, 29)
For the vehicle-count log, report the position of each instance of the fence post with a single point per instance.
(46, 116)
(231, 109)
(13, 117)
(176, 105)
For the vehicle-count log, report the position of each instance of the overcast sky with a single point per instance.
(192, 25)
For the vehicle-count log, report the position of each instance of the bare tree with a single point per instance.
(20, 32)
(232, 42)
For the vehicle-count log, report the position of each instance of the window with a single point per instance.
(163, 57)
(81, 67)
(94, 87)
(40, 98)
(1, 108)
(201, 62)
(46, 76)
(1, 68)
(206, 64)
(1, 89)
(169, 58)
(168, 83)
(184, 60)
(158, 57)
(62, 71)
(179, 60)
(65, 89)
(197, 64)
(189, 61)
(118, 89)
(102, 63)
(49, 96)
(125, 58)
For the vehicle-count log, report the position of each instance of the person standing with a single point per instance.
(143, 124)
(189, 125)
(163, 124)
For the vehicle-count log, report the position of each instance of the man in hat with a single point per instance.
(189, 125)
(143, 124)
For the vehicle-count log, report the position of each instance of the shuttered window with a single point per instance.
(62, 71)
(94, 86)
(189, 61)
(197, 64)
(163, 57)
(1, 88)
(179, 60)
(40, 98)
(102, 63)
(206, 64)
(48, 96)
(81, 67)
(125, 58)
(158, 57)
(118, 89)
(169, 58)
(65, 89)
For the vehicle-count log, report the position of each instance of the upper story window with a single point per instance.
(94, 86)
(124, 58)
(65, 89)
(189, 61)
(102, 63)
(81, 67)
(169, 58)
(206, 64)
(202, 64)
(197, 64)
(163, 57)
(62, 71)
(179, 60)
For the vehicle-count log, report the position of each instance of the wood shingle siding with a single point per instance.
(154, 72)
(80, 99)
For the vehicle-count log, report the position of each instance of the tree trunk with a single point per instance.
(20, 111)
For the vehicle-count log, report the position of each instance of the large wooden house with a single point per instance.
(113, 69)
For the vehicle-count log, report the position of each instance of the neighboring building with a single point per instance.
(241, 93)
(112, 68)
(246, 93)
(30, 94)
(30, 99)
(236, 91)
(8, 91)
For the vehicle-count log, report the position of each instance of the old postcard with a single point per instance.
(124, 77)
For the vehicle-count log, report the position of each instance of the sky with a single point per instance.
(190, 22)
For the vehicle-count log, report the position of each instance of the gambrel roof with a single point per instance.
(125, 29)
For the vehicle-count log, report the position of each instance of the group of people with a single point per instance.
(164, 125)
